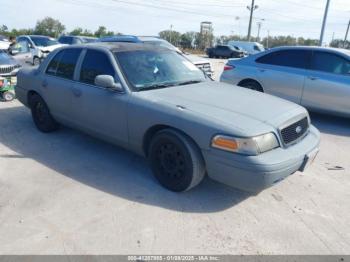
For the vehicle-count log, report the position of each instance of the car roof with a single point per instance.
(123, 46)
(320, 48)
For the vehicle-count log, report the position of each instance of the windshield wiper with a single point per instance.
(189, 82)
(156, 86)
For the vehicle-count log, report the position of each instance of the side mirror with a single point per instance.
(107, 81)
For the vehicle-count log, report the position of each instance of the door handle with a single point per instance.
(76, 92)
(262, 70)
(313, 78)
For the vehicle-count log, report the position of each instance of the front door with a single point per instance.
(100, 110)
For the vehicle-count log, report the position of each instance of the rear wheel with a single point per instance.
(41, 115)
(176, 161)
(251, 84)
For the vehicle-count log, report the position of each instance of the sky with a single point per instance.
(140, 17)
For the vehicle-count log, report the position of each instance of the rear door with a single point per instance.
(100, 110)
(282, 73)
(327, 86)
(58, 81)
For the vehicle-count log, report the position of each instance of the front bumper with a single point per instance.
(255, 173)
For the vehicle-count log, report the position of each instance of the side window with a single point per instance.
(330, 63)
(289, 58)
(22, 47)
(63, 64)
(52, 67)
(65, 40)
(95, 63)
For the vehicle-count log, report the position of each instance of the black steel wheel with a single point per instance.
(176, 161)
(41, 115)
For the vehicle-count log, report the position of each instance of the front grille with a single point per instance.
(205, 67)
(6, 69)
(295, 131)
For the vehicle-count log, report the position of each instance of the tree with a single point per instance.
(102, 31)
(77, 31)
(339, 43)
(171, 36)
(187, 39)
(49, 27)
(204, 40)
(3, 30)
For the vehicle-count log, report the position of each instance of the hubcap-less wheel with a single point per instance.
(41, 115)
(170, 161)
(176, 161)
(41, 112)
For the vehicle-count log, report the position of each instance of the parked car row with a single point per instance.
(153, 101)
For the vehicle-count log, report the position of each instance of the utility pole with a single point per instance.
(324, 22)
(346, 34)
(251, 9)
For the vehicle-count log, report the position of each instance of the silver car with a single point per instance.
(314, 77)
(154, 102)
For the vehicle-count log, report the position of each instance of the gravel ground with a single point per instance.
(68, 193)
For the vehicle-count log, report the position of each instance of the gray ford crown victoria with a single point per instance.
(154, 102)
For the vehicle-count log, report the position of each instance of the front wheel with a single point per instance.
(36, 61)
(41, 115)
(176, 161)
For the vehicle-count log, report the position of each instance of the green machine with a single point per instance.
(7, 91)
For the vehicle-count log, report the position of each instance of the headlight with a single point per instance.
(247, 146)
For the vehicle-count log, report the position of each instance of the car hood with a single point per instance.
(197, 59)
(50, 48)
(228, 105)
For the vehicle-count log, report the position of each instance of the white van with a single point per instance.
(250, 47)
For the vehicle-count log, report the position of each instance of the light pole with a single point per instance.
(324, 22)
(251, 9)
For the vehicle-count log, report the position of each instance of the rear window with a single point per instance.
(288, 58)
(63, 64)
(330, 63)
(65, 40)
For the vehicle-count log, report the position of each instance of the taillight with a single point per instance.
(228, 67)
(1, 83)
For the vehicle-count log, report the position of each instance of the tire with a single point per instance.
(36, 61)
(41, 115)
(210, 55)
(8, 96)
(176, 161)
(251, 84)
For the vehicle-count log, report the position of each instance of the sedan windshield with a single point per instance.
(44, 41)
(150, 69)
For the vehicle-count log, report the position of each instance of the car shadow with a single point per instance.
(333, 125)
(105, 167)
